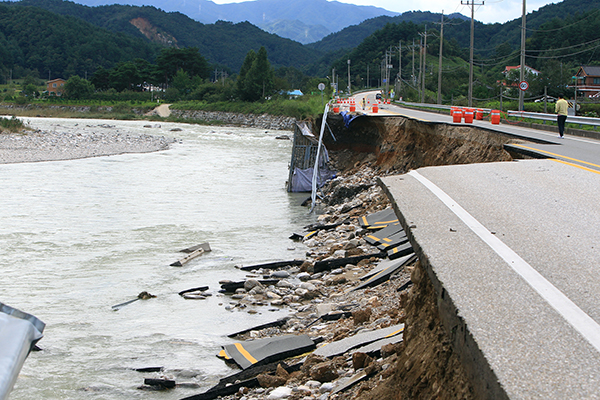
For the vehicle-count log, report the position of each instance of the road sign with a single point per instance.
(321, 86)
(523, 85)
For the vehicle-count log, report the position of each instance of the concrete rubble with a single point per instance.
(323, 305)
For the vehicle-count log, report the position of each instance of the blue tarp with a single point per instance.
(348, 118)
(18, 333)
(302, 179)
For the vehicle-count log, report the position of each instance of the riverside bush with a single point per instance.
(12, 124)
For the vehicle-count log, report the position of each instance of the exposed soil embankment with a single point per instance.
(395, 144)
(427, 366)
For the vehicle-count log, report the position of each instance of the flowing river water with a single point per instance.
(82, 235)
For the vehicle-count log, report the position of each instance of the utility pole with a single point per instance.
(333, 81)
(368, 82)
(420, 67)
(349, 86)
(399, 66)
(413, 63)
(439, 94)
(522, 69)
(472, 4)
(424, 65)
(423, 59)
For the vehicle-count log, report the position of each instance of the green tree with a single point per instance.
(259, 81)
(182, 82)
(77, 88)
(30, 90)
(189, 60)
(101, 79)
(125, 76)
(241, 80)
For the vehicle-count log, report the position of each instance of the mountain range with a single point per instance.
(304, 21)
(69, 38)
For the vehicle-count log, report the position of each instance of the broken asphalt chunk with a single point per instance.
(262, 351)
(272, 265)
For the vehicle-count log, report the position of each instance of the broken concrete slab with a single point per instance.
(361, 339)
(378, 220)
(390, 267)
(261, 351)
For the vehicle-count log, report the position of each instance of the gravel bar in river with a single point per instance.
(81, 141)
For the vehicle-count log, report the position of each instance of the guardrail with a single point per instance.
(595, 122)
(441, 106)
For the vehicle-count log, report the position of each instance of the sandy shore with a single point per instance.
(68, 143)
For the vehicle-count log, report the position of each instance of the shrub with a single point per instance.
(12, 124)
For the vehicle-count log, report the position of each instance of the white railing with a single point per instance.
(552, 117)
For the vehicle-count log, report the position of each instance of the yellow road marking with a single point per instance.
(245, 353)
(224, 355)
(394, 333)
(578, 166)
(557, 155)
(374, 238)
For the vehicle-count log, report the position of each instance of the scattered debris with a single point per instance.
(188, 258)
(196, 289)
(161, 383)
(203, 246)
(267, 350)
(141, 296)
(279, 322)
(272, 265)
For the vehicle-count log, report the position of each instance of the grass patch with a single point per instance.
(303, 108)
(12, 124)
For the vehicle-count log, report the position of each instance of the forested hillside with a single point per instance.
(487, 36)
(351, 36)
(222, 43)
(54, 45)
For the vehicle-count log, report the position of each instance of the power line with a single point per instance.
(564, 48)
(566, 26)
(566, 55)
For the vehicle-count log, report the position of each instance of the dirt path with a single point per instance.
(161, 111)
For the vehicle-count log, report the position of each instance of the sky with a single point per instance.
(493, 10)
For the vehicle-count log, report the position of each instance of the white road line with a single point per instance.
(574, 315)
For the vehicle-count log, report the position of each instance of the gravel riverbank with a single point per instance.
(80, 141)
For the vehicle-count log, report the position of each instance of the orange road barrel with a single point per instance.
(479, 115)
(495, 116)
(456, 115)
(352, 108)
(375, 108)
(468, 115)
(336, 110)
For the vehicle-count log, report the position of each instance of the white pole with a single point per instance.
(315, 176)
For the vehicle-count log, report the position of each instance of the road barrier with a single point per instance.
(479, 115)
(375, 109)
(456, 114)
(495, 116)
(468, 115)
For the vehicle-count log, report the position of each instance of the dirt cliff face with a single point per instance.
(399, 144)
(427, 366)
(152, 32)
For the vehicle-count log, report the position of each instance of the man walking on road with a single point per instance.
(561, 109)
